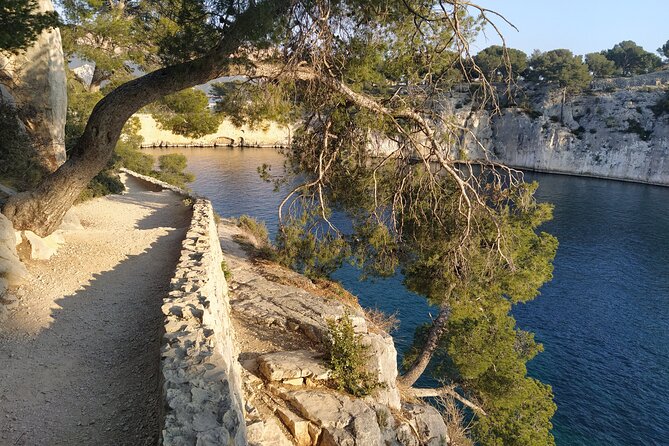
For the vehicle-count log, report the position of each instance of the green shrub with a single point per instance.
(134, 159)
(186, 113)
(259, 244)
(300, 249)
(634, 126)
(346, 358)
(226, 271)
(104, 183)
(254, 227)
(172, 170)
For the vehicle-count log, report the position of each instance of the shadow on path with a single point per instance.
(91, 377)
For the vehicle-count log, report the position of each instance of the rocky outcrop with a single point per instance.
(33, 82)
(601, 134)
(270, 305)
(613, 131)
(12, 271)
(247, 366)
(281, 319)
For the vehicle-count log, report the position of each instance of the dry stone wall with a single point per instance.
(203, 402)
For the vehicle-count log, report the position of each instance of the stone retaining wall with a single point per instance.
(203, 400)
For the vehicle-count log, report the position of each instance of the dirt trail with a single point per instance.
(79, 355)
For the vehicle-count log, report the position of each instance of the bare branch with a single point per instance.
(446, 390)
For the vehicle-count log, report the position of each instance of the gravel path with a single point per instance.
(79, 355)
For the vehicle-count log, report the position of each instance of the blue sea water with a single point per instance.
(603, 320)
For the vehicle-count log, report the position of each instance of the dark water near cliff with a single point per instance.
(603, 320)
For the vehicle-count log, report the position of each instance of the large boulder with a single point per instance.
(43, 248)
(34, 83)
(12, 271)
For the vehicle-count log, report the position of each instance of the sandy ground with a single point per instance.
(79, 355)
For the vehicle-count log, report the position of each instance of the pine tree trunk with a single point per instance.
(434, 336)
(42, 209)
(97, 79)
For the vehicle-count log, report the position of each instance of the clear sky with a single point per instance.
(583, 26)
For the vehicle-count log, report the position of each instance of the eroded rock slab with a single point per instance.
(343, 420)
(429, 423)
(267, 433)
(260, 301)
(12, 271)
(290, 365)
(34, 82)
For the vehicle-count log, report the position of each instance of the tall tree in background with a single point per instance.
(20, 24)
(464, 231)
(499, 63)
(632, 59)
(600, 66)
(112, 35)
(664, 50)
(562, 68)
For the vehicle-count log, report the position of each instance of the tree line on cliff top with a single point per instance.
(463, 232)
(562, 67)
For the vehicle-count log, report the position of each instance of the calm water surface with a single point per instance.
(603, 320)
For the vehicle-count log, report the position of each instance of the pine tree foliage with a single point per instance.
(631, 58)
(464, 232)
(21, 23)
(561, 68)
(500, 63)
(186, 113)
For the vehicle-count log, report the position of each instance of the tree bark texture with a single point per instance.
(42, 209)
(434, 336)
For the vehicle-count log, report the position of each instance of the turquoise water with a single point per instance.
(603, 320)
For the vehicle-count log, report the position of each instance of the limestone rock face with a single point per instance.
(292, 365)
(343, 420)
(43, 248)
(267, 433)
(429, 424)
(12, 271)
(609, 132)
(382, 364)
(34, 82)
(264, 303)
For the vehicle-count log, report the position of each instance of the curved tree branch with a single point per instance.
(42, 209)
